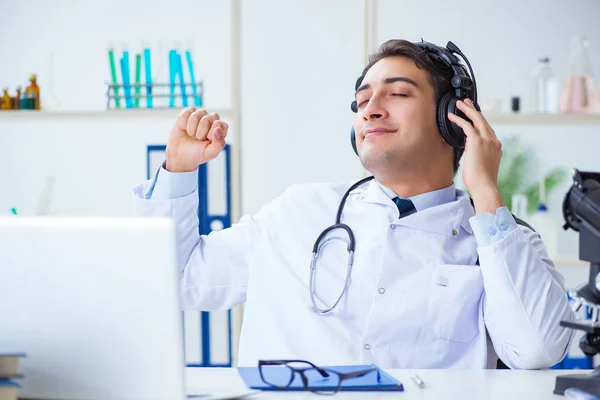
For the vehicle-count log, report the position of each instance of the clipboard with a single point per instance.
(366, 383)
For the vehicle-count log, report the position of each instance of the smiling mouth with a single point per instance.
(377, 132)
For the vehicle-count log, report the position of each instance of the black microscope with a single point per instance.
(581, 211)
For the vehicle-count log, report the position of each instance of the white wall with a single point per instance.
(299, 64)
(95, 161)
(502, 39)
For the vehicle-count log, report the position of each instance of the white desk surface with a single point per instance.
(439, 384)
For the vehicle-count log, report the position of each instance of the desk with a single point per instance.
(439, 384)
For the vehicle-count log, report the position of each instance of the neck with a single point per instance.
(409, 185)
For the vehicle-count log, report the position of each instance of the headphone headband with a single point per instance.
(461, 79)
(439, 54)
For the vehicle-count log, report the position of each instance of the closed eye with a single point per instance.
(362, 103)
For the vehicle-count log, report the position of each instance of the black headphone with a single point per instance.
(463, 86)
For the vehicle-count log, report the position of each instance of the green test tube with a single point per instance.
(113, 74)
(138, 74)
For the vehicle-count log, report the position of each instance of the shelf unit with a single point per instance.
(493, 118)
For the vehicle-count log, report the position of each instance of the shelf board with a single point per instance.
(119, 113)
(493, 118)
(542, 119)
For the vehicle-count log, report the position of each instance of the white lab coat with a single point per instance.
(416, 299)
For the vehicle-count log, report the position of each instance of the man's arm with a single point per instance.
(213, 268)
(525, 298)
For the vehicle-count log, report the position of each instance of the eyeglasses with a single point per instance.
(281, 373)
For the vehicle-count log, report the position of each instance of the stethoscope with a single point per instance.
(318, 248)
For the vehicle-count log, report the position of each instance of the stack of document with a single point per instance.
(9, 372)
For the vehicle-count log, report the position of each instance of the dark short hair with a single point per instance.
(440, 74)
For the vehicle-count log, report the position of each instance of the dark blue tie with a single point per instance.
(405, 206)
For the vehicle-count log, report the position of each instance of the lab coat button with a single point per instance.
(492, 231)
(381, 290)
(454, 232)
(503, 227)
(367, 347)
(392, 226)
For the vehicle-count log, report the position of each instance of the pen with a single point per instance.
(578, 394)
(418, 381)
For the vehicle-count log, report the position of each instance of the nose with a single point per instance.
(374, 110)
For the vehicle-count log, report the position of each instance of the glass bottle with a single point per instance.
(17, 99)
(33, 92)
(6, 101)
(580, 93)
(26, 102)
(544, 96)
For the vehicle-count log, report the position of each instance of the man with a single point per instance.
(433, 282)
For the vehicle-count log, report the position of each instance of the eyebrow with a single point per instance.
(388, 81)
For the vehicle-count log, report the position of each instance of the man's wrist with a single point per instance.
(487, 199)
(172, 185)
(172, 166)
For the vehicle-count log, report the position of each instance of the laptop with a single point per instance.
(94, 304)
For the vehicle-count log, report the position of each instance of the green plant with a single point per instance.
(516, 175)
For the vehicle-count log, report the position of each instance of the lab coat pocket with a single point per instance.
(454, 300)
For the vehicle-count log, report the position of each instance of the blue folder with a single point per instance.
(8, 383)
(369, 382)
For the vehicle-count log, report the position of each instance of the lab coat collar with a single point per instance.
(445, 219)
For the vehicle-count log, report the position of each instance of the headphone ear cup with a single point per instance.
(354, 108)
(353, 140)
(451, 133)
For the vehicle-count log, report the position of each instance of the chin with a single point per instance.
(374, 159)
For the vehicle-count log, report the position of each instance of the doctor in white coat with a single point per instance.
(433, 282)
